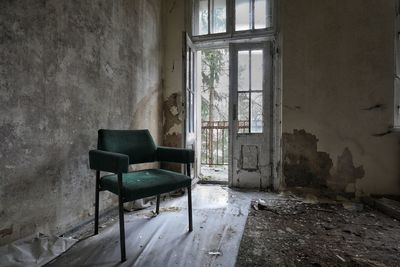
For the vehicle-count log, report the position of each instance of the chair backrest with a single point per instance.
(137, 144)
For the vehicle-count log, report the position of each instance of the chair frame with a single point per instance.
(121, 209)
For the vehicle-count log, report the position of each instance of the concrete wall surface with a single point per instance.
(68, 68)
(338, 68)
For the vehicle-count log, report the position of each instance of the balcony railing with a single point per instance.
(214, 141)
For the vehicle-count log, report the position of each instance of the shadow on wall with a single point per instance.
(304, 165)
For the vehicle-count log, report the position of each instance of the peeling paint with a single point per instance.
(345, 173)
(172, 121)
(303, 165)
(172, 114)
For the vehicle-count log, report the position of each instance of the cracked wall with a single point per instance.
(68, 68)
(338, 59)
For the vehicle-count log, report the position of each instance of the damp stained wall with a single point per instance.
(338, 67)
(68, 68)
(173, 113)
(173, 27)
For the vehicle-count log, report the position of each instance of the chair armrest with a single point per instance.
(178, 155)
(108, 161)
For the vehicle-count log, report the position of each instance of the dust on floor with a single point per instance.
(291, 232)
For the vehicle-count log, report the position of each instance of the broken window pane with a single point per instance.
(242, 15)
(256, 113)
(218, 16)
(243, 112)
(243, 71)
(256, 70)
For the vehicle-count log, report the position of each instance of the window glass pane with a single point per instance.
(256, 70)
(256, 112)
(243, 70)
(191, 112)
(242, 15)
(260, 16)
(201, 17)
(218, 16)
(243, 112)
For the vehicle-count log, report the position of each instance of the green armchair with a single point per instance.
(116, 150)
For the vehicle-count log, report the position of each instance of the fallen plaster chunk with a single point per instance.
(353, 206)
(34, 251)
(214, 253)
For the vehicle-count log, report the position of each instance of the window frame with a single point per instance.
(230, 33)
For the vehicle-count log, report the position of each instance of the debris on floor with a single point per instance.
(388, 206)
(297, 232)
(217, 174)
(152, 213)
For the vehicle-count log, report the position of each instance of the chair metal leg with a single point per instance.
(96, 204)
(158, 204)
(121, 219)
(190, 208)
(189, 190)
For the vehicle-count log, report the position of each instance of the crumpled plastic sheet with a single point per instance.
(35, 250)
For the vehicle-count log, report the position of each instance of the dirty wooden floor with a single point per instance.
(335, 233)
(219, 217)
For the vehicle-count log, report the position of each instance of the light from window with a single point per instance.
(209, 17)
(243, 15)
(253, 14)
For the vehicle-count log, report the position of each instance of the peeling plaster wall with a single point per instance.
(174, 25)
(68, 68)
(338, 59)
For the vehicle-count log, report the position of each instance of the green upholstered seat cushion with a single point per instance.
(145, 183)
